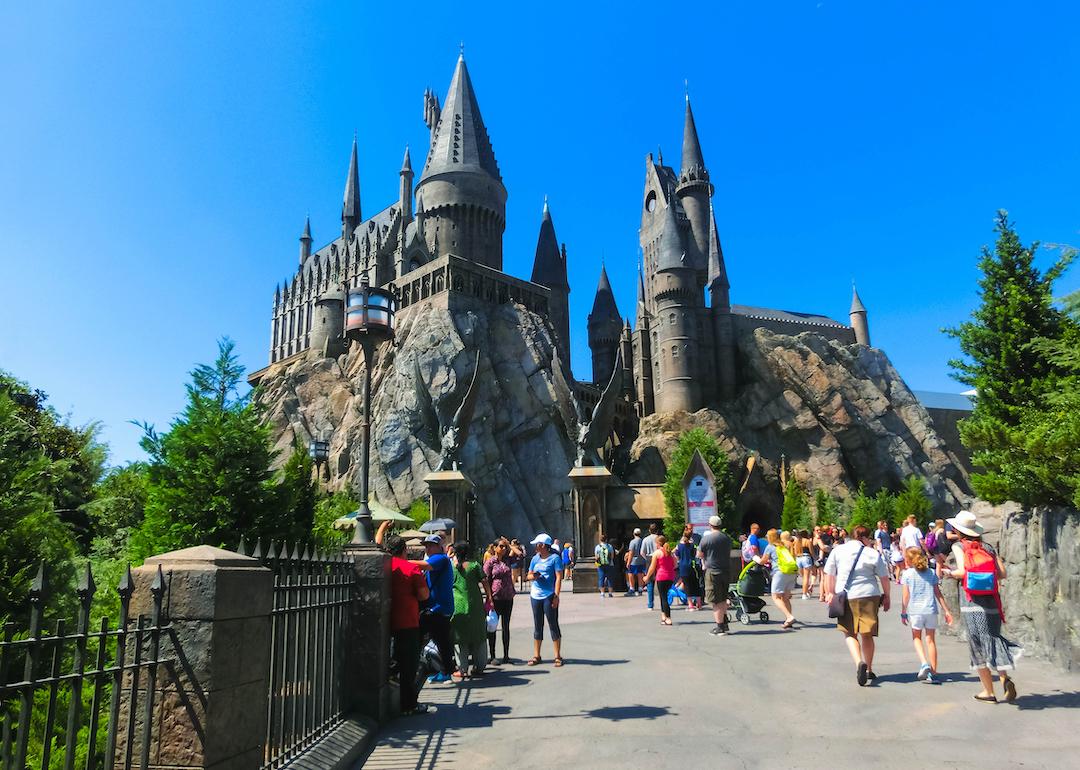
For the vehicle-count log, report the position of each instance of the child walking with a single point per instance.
(920, 610)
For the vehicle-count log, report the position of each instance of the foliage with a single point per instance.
(862, 510)
(882, 508)
(117, 509)
(912, 501)
(796, 512)
(329, 509)
(825, 508)
(718, 462)
(419, 512)
(297, 495)
(210, 477)
(1021, 357)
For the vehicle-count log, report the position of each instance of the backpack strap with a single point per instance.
(851, 574)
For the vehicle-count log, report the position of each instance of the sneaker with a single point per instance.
(629, 593)
(929, 678)
(924, 671)
(611, 595)
(437, 678)
(420, 708)
(718, 631)
(861, 674)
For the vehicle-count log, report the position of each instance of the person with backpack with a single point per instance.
(605, 562)
(919, 609)
(568, 557)
(685, 556)
(778, 558)
(662, 574)
(980, 572)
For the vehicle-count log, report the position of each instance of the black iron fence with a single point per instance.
(91, 669)
(309, 627)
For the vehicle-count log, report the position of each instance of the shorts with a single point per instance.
(804, 562)
(922, 622)
(783, 584)
(861, 616)
(603, 575)
(636, 569)
(716, 586)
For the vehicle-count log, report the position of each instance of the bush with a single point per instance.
(693, 440)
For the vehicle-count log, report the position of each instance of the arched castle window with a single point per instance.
(671, 318)
(674, 352)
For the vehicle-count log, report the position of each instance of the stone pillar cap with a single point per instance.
(204, 555)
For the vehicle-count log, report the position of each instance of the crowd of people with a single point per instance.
(459, 600)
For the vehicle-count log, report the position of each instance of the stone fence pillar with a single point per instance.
(210, 705)
(367, 661)
(590, 519)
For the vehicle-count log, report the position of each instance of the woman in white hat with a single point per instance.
(545, 572)
(980, 572)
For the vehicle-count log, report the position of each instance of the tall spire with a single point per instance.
(859, 324)
(672, 252)
(856, 303)
(717, 269)
(548, 267)
(406, 163)
(460, 141)
(305, 241)
(693, 164)
(604, 306)
(350, 206)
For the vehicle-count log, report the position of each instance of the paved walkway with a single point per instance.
(636, 693)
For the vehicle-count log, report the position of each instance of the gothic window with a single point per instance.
(674, 352)
(671, 318)
(650, 202)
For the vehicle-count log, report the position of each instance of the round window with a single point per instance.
(650, 201)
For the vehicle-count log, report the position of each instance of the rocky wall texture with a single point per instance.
(840, 414)
(517, 454)
(1041, 592)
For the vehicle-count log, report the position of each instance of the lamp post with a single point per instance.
(369, 320)
(319, 451)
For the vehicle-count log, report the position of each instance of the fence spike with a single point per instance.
(257, 553)
(158, 586)
(295, 555)
(127, 583)
(271, 551)
(37, 587)
(242, 547)
(307, 553)
(87, 587)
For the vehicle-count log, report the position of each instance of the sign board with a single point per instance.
(699, 493)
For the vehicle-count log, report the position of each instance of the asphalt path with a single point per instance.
(636, 693)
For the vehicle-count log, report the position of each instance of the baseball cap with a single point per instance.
(541, 538)
(637, 530)
(433, 539)
(714, 521)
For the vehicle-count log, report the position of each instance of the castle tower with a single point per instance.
(694, 192)
(857, 314)
(722, 322)
(305, 242)
(643, 360)
(678, 300)
(405, 189)
(464, 197)
(605, 329)
(627, 344)
(328, 324)
(350, 206)
(549, 269)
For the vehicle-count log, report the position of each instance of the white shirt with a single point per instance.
(911, 537)
(868, 573)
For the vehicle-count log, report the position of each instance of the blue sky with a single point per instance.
(157, 161)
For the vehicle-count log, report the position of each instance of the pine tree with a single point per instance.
(796, 511)
(912, 501)
(824, 508)
(717, 460)
(862, 510)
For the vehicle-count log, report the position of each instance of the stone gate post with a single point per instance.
(590, 519)
(367, 662)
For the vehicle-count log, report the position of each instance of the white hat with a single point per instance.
(966, 522)
(541, 538)
(433, 539)
(637, 530)
(714, 521)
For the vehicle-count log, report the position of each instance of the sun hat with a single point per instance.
(433, 539)
(966, 522)
(714, 521)
(541, 538)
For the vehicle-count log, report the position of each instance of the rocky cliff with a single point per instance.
(517, 454)
(839, 414)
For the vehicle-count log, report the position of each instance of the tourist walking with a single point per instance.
(825, 543)
(407, 590)
(777, 557)
(921, 595)
(714, 551)
(435, 619)
(517, 562)
(648, 548)
(980, 572)
(568, 556)
(686, 558)
(911, 536)
(858, 570)
(635, 565)
(662, 574)
(604, 554)
(804, 559)
(501, 579)
(546, 575)
(896, 556)
(469, 623)
(754, 540)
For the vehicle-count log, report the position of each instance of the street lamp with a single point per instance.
(319, 451)
(369, 320)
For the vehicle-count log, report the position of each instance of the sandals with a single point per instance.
(1010, 689)
(558, 662)
(533, 661)
(788, 624)
(986, 698)
(665, 622)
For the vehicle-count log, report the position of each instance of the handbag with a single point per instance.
(838, 603)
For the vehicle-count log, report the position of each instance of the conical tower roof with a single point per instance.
(406, 163)
(461, 141)
(856, 303)
(693, 164)
(548, 268)
(604, 306)
(306, 235)
(350, 206)
(717, 268)
(672, 251)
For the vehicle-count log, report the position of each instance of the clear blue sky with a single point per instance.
(157, 160)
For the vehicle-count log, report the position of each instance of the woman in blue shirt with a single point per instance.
(545, 572)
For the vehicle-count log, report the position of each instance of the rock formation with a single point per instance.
(517, 453)
(839, 414)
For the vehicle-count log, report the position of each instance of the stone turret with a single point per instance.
(328, 324)
(605, 329)
(305, 242)
(722, 322)
(464, 197)
(626, 342)
(857, 314)
(350, 206)
(678, 301)
(643, 360)
(405, 189)
(549, 269)
(694, 192)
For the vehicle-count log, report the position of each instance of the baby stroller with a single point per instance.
(745, 595)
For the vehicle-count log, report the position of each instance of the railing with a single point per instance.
(309, 625)
(102, 667)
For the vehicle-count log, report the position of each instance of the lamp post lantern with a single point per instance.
(369, 320)
(319, 452)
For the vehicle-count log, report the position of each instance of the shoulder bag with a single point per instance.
(838, 604)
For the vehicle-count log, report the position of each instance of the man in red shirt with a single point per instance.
(407, 589)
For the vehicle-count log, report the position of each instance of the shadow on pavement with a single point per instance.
(610, 713)
(588, 662)
(1055, 700)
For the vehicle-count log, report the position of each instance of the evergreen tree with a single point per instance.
(117, 509)
(796, 511)
(329, 509)
(862, 510)
(912, 501)
(297, 494)
(717, 460)
(824, 508)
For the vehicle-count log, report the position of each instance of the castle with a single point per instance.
(679, 355)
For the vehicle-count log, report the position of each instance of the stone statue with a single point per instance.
(589, 434)
(448, 438)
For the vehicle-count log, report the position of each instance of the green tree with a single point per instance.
(329, 509)
(419, 511)
(117, 509)
(912, 501)
(210, 476)
(796, 511)
(825, 509)
(297, 495)
(862, 510)
(882, 508)
(1012, 350)
(717, 460)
